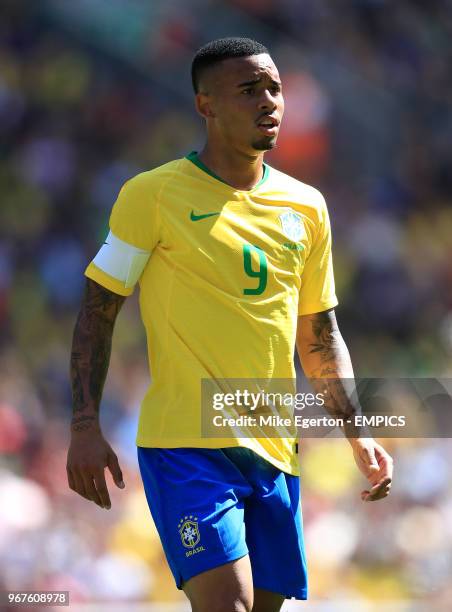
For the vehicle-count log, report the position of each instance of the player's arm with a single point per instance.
(326, 363)
(89, 453)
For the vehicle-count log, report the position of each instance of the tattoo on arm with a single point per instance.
(82, 423)
(327, 364)
(91, 348)
(328, 371)
(325, 340)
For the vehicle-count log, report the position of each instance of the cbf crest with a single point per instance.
(292, 226)
(189, 532)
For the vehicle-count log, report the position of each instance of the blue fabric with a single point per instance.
(212, 506)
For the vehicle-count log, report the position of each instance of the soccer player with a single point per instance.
(233, 259)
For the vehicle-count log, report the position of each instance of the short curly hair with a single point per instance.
(220, 49)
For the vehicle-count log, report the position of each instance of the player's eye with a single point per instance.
(248, 90)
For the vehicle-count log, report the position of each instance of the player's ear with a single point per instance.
(203, 103)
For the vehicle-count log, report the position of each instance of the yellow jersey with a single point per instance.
(223, 275)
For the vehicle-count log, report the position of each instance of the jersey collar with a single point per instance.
(193, 157)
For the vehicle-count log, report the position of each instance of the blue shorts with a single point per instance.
(212, 506)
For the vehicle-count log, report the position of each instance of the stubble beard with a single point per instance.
(264, 144)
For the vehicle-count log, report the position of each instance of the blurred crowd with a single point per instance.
(368, 90)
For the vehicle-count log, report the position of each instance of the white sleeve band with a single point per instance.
(121, 260)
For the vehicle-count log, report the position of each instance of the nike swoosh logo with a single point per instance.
(195, 217)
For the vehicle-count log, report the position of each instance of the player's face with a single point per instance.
(246, 102)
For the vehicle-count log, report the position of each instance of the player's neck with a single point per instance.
(235, 169)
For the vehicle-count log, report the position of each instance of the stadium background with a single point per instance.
(95, 91)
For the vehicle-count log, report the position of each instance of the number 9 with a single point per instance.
(261, 274)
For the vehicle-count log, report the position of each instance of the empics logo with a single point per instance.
(189, 534)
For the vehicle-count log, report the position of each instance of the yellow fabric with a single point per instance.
(196, 297)
(107, 281)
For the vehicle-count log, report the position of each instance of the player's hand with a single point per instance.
(88, 456)
(376, 465)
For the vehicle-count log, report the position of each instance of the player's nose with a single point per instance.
(267, 102)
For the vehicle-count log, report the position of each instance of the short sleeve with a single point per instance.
(134, 233)
(134, 218)
(317, 291)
